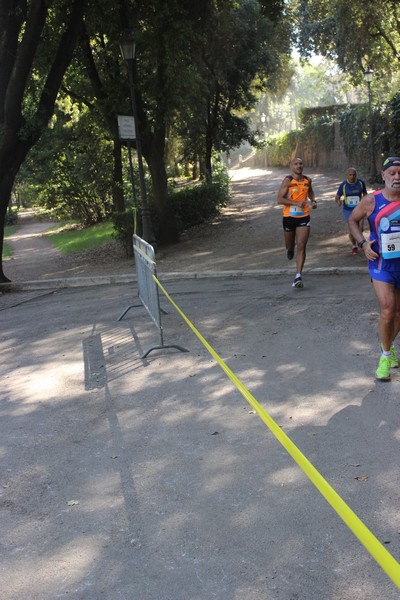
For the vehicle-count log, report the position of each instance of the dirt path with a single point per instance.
(247, 235)
(31, 250)
(34, 256)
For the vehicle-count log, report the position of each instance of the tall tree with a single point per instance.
(357, 34)
(238, 49)
(196, 69)
(37, 40)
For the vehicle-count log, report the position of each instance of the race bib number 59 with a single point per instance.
(390, 244)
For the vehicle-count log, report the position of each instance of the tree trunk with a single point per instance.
(207, 159)
(118, 192)
(166, 228)
(6, 185)
(109, 117)
(18, 48)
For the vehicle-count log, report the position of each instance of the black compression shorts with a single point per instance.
(291, 223)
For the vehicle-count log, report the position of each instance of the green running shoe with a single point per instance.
(383, 371)
(394, 361)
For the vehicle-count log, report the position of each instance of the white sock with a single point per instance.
(298, 275)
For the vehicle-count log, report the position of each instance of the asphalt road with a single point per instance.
(154, 479)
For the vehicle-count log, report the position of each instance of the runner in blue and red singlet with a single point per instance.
(382, 208)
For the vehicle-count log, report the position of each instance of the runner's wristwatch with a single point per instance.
(361, 244)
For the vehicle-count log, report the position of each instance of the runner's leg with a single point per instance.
(302, 235)
(389, 316)
(289, 240)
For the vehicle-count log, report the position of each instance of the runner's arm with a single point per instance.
(360, 212)
(311, 196)
(338, 200)
(364, 189)
(339, 194)
(283, 193)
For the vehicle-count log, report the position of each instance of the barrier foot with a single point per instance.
(162, 347)
(126, 310)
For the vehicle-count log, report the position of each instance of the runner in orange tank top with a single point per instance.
(294, 193)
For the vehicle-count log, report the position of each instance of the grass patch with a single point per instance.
(8, 230)
(72, 238)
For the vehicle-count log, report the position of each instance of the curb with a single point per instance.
(76, 282)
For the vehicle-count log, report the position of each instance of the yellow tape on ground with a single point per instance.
(366, 537)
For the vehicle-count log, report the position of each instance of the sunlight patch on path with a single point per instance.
(247, 173)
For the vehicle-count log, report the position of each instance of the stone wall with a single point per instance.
(334, 158)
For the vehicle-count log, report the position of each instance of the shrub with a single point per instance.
(11, 216)
(123, 229)
(281, 147)
(200, 203)
(192, 205)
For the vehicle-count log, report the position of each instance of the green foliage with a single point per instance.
(393, 133)
(77, 239)
(356, 34)
(124, 229)
(200, 203)
(354, 130)
(317, 134)
(325, 113)
(192, 205)
(69, 172)
(235, 50)
(8, 230)
(11, 216)
(280, 148)
(199, 67)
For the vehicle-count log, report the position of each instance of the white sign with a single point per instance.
(126, 128)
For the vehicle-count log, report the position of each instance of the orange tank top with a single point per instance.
(297, 192)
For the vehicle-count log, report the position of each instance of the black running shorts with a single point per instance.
(291, 223)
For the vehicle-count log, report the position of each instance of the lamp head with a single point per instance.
(127, 46)
(368, 75)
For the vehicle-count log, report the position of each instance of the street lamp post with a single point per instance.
(127, 46)
(368, 75)
(263, 119)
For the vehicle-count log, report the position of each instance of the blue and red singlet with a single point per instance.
(384, 222)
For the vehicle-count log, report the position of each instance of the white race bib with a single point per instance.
(390, 244)
(296, 211)
(352, 200)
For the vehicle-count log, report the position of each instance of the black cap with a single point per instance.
(392, 161)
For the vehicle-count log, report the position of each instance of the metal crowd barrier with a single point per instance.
(145, 262)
